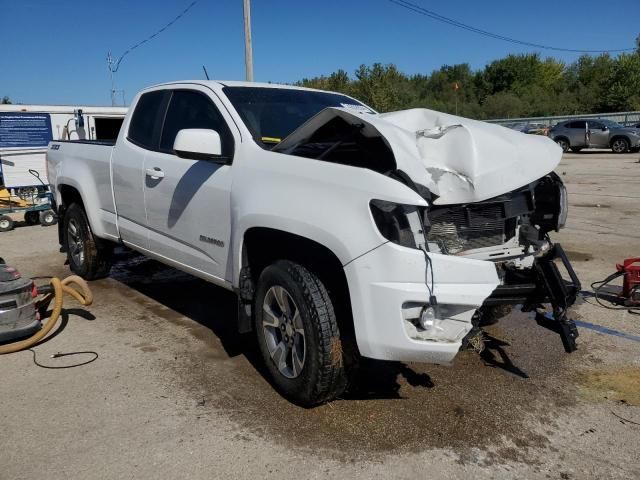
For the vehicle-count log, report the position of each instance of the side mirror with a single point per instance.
(605, 128)
(198, 144)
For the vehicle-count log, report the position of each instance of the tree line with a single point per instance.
(524, 85)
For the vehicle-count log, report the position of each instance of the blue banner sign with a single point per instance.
(24, 129)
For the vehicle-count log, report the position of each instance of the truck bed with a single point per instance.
(86, 166)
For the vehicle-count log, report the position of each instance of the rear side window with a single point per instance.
(579, 124)
(192, 109)
(146, 119)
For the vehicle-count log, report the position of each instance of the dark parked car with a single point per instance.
(595, 133)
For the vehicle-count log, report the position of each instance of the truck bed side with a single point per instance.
(84, 168)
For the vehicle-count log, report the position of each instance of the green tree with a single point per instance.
(5, 100)
(513, 86)
(623, 84)
(382, 87)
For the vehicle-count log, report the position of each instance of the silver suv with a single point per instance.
(592, 133)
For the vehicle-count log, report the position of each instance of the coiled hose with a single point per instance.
(75, 287)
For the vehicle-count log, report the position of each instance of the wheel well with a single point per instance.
(69, 195)
(613, 139)
(263, 246)
(561, 137)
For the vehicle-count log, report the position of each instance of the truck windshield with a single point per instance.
(271, 114)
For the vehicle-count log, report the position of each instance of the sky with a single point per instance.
(54, 52)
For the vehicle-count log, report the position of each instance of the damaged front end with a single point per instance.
(512, 231)
(490, 200)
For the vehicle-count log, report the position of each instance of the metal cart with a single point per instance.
(35, 202)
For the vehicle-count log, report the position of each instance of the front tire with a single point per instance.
(88, 256)
(620, 145)
(576, 149)
(298, 334)
(563, 143)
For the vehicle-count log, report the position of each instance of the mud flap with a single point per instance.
(560, 293)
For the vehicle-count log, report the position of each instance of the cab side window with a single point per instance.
(192, 109)
(147, 119)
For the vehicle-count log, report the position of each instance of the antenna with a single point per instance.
(205, 72)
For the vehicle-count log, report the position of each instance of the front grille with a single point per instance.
(463, 228)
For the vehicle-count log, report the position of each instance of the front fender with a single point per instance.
(321, 201)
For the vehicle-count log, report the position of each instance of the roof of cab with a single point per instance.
(218, 84)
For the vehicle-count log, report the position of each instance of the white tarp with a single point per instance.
(15, 168)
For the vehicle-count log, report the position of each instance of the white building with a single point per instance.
(26, 130)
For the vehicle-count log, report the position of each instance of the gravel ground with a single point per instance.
(177, 393)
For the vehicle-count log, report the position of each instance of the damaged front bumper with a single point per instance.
(389, 289)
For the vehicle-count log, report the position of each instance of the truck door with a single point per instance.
(188, 200)
(142, 136)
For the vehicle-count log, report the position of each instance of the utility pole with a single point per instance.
(110, 65)
(456, 87)
(114, 92)
(248, 49)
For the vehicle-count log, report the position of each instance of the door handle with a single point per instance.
(155, 172)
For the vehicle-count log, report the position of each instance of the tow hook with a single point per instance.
(560, 293)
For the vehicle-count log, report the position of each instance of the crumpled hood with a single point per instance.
(458, 159)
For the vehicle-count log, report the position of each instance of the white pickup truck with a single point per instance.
(344, 232)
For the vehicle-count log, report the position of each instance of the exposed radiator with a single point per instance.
(468, 227)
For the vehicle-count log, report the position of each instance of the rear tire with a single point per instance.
(6, 223)
(89, 257)
(298, 334)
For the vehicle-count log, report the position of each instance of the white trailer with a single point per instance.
(26, 130)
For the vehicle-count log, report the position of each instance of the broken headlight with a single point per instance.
(564, 206)
(551, 204)
(398, 223)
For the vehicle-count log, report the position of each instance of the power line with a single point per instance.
(440, 18)
(150, 37)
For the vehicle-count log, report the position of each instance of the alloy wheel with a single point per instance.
(75, 243)
(283, 331)
(619, 146)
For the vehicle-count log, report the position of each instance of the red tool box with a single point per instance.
(631, 283)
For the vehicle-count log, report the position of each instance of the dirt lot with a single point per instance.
(175, 393)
